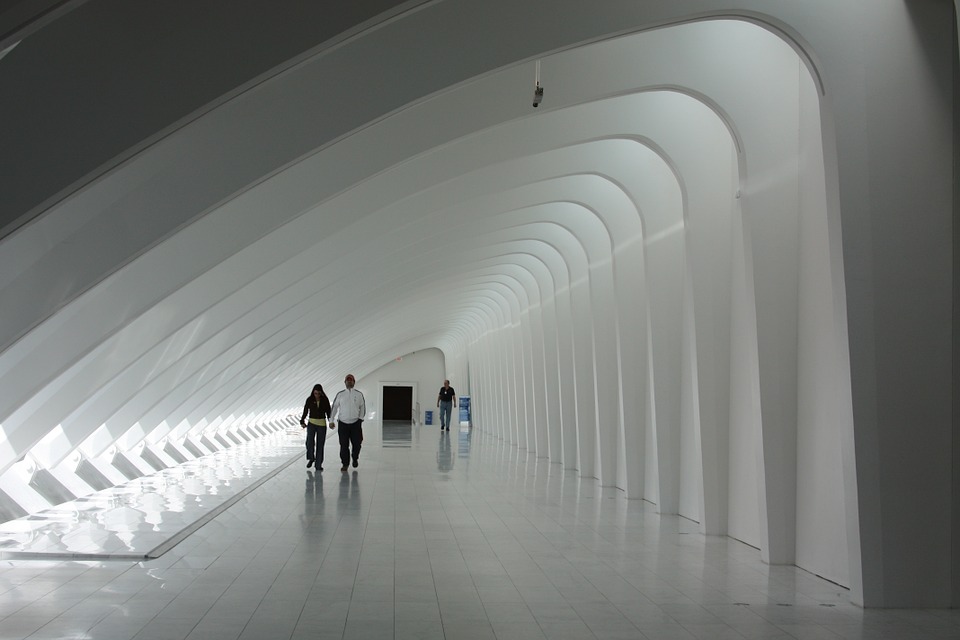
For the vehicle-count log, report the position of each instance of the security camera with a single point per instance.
(537, 96)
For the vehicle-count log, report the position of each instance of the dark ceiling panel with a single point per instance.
(103, 78)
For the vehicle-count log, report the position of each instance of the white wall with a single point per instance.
(744, 517)
(823, 412)
(690, 453)
(424, 370)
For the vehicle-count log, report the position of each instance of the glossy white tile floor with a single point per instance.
(145, 517)
(441, 536)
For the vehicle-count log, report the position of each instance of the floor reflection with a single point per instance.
(397, 433)
(444, 452)
(463, 523)
(313, 493)
(348, 500)
(465, 439)
(140, 517)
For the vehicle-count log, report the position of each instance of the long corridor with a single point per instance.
(441, 535)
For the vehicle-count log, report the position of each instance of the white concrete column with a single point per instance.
(551, 377)
(518, 386)
(630, 282)
(529, 431)
(606, 371)
(585, 374)
(567, 374)
(665, 277)
(539, 379)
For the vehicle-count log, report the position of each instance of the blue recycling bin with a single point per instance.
(428, 417)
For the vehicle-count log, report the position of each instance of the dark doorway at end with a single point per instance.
(398, 403)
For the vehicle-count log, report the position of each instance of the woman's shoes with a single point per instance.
(309, 463)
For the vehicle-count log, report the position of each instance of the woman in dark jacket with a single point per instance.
(316, 411)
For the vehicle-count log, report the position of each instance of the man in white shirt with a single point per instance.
(349, 409)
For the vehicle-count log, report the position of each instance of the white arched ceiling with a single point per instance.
(189, 305)
(583, 259)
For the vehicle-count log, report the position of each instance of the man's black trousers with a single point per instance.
(351, 433)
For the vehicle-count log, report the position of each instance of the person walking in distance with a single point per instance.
(349, 409)
(446, 401)
(316, 410)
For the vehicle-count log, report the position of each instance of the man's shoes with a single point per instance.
(319, 468)
(343, 468)
(309, 463)
(356, 463)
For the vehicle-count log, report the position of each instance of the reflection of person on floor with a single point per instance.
(316, 410)
(349, 499)
(445, 453)
(349, 409)
(312, 497)
(446, 401)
